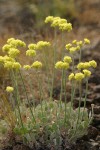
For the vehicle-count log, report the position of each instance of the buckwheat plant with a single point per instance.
(51, 121)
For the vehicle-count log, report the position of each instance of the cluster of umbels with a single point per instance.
(57, 22)
(76, 45)
(82, 67)
(10, 62)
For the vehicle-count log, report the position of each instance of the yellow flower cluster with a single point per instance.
(42, 44)
(9, 89)
(27, 67)
(62, 24)
(86, 41)
(61, 65)
(32, 46)
(87, 73)
(72, 48)
(11, 47)
(93, 63)
(1, 59)
(87, 65)
(77, 45)
(36, 65)
(6, 48)
(16, 42)
(39, 46)
(77, 76)
(13, 52)
(49, 19)
(71, 76)
(65, 27)
(30, 52)
(12, 65)
(67, 59)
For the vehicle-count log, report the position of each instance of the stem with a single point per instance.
(62, 85)
(73, 68)
(54, 60)
(85, 96)
(47, 71)
(62, 41)
(31, 89)
(40, 92)
(17, 97)
(80, 56)
(65, 95)
(72, 93)
(80, 93)
(33, 117)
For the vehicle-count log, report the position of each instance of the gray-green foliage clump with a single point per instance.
(51, 123)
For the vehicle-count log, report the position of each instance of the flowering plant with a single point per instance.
(50, 118)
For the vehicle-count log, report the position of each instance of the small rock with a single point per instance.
(96, 109)
(98, 138)
(96, 120)
(96, 88)
(92, 132)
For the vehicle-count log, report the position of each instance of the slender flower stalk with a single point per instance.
(73, 92)
(31, 111)
(54, 60)
(79, 106)
(40, 92)
(85, 96)
(62, 86)
(17, 97)
(65, 78)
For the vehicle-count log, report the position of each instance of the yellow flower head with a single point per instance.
(86, 41)
(78, 48)
(86, 65)
(93, 63)
(65, 65)
(71, 76)
(16, 43)
(65, 27)
(31, 52)
(13, 52)
(16, 65)
(72, 50)
(80, 43)
(80, 65)
(6, 48)
(32, 46)
(7, 58)
(61, 65)
(9, 89)
(87, 73)
(79, 76)
(49, 19)
(74, 41)
(1, 59)
(67, 59)
(68, 46)
(61, 21)
(58, 65)
(42, 44)
(55, 22)
(8, 65)
(27, 67)
(36, 65)
(9, 40)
